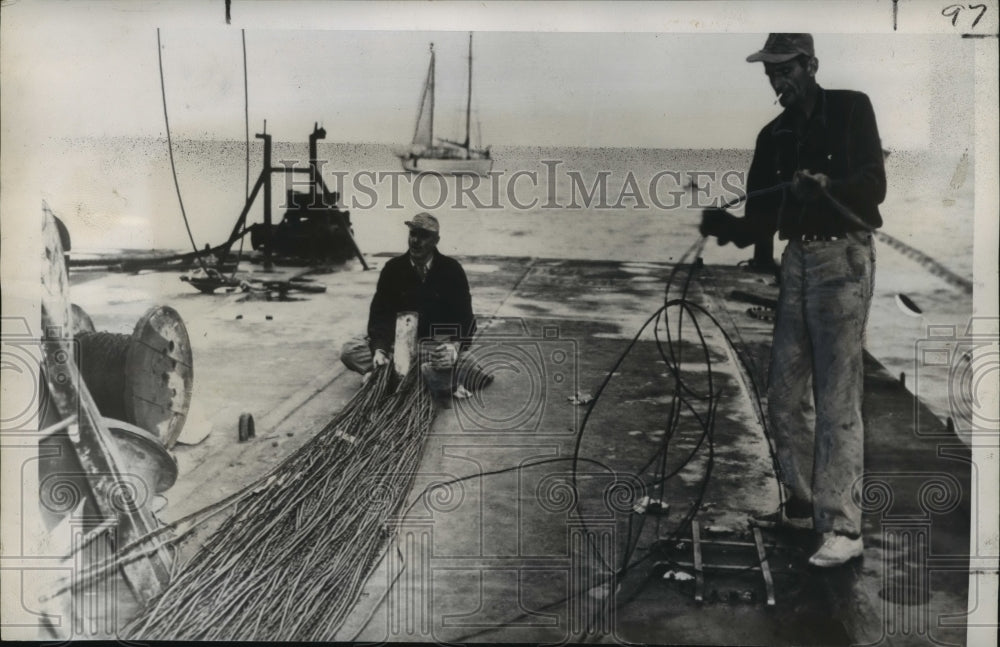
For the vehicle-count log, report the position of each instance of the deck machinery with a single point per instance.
(313, 230)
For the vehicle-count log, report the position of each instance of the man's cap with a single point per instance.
(783, 47)
(424, 221)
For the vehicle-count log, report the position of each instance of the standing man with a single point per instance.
(434, 286)
(817, 178)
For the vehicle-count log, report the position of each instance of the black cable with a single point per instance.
(740, 198)
(706, 424)
(170, 149)
(246, 108)
(246, 123)
(674, 365)
(576, 458)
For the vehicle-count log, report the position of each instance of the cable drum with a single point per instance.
(102, 366)
(145, 378)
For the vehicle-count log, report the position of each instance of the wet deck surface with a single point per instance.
(508, 556)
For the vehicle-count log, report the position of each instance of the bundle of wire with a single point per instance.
(690, 408)
(291, 562)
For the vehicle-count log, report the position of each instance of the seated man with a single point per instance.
(434, 286)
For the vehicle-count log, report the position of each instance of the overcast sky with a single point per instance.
(90, 69)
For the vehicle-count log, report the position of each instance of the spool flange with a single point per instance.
(159, 374)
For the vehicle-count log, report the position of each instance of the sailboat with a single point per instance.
(428, 154)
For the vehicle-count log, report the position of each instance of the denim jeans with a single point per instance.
(816, 377)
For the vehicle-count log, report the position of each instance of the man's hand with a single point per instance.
(717, 222)
(380, 358)
(809, 187)
(444, 356)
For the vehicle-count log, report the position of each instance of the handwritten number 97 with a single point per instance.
(952, 11)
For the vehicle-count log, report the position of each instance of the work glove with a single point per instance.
(717, 222)
(809, 187)
(380, 358)
(444, 356)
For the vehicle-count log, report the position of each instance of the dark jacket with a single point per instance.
(442, 301)
(841, 140)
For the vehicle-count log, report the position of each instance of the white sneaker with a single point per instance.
(837, 550)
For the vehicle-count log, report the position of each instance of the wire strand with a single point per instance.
(170, 150)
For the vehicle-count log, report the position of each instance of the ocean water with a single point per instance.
(617, 204)
(552, 202)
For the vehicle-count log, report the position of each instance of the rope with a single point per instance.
(922, 259)
(929, 263)
(170, 150)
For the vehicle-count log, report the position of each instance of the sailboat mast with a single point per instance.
(423, 132)
(430, 88)
(468, 102)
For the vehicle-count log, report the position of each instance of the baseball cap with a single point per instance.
(783, 47)
(424, 221)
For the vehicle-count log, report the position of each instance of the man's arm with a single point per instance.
(762, 209)
(458, 312)
(760, 219)
(463, 305)
(382, 314)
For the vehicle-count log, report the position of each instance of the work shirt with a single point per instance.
(441, 300)
(839, 139)
(424, 268)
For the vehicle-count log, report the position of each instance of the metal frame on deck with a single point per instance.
(113, 496)
(699, 566)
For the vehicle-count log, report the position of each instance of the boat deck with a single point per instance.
(515, 552)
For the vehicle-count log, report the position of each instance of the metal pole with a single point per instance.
(468, 102)
(317, 133)
(268, 265)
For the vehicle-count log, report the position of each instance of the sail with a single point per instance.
(423, 135)
(426, 154)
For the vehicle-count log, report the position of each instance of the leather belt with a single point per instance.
(819, 238)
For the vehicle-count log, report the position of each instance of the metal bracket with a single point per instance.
(758, 561)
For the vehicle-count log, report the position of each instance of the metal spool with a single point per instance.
(144, 456)
(147, 468)
(145, 378)
(102, 365)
